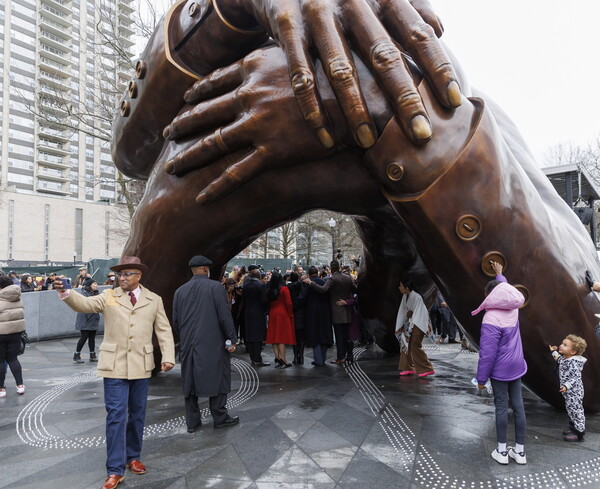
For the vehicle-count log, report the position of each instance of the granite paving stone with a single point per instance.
(337, 427)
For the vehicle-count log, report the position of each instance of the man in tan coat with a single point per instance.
(131, 314)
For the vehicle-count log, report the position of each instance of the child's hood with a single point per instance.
(578, 360)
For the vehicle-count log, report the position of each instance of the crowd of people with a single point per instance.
(298, 309)
(30, 283)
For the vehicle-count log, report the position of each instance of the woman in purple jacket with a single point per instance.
(501, 360)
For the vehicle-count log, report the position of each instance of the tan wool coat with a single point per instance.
(127, 350)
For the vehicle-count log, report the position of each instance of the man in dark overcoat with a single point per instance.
(202, 318)
(318, 334)
(255, 314)
(340, 287)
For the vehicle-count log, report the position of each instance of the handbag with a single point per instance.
(24, 341)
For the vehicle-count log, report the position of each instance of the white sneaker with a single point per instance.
(2, 392)
(500, 457)
(520, 458)
(20, 390)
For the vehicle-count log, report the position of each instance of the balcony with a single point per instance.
(55, 82)
(52, 134)
(52, 161)
(56, 42)
(53, 108)
(55, 15)
(63, 6)
(57, 188)
(125, 28)
(57, 55)
(52, 175)
(52, 148)
(54, 68)
(125, 7)
(55, 28)
(57, 97)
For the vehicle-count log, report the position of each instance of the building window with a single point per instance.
(11, 227)
(47, 232)
(78, 253)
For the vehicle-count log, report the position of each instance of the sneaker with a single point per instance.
(2, 392)
(20, 390)
(407, 372)
(568, 431)
(520, 458)
(500, 457)
(425, 374)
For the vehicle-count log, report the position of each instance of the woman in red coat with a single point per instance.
(280, 331)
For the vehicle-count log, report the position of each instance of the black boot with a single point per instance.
(93, 357)
(77, 358)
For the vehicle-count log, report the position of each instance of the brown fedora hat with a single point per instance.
(130, 262)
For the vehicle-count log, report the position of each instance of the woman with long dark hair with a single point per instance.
(280, 329)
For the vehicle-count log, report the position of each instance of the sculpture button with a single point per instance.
(468, 227)
(486, 266)
(132, 89)
(125, 108)
(525, 291)
(395, 171)
(140, 69)
(193, 9)
(131, 337)
(129, 349)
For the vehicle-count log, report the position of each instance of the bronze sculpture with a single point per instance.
(233, 154)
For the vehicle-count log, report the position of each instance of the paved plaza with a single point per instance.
(333, 427)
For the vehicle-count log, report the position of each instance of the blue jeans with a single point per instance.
(125, 402)
(320, 354)
(502, 392)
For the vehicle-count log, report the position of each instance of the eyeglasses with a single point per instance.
(127, 274)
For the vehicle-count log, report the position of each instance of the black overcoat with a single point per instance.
(298, 292)
(317, 317)
(255, 309)
(202, 317)
(339, 286)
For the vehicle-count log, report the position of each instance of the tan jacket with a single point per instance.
(127, 350)
(11, 310)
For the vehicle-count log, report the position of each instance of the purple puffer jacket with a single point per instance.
(500, 348)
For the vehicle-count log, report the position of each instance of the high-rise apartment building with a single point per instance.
(63, 63)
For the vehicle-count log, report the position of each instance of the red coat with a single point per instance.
(281, 320)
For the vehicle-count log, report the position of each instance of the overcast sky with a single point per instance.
(539, 60)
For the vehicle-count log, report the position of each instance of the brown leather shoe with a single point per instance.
(112, 481)
(338, 361)
(136, 467)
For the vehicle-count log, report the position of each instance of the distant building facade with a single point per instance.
(63, 63)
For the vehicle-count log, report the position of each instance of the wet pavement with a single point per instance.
(332, 427)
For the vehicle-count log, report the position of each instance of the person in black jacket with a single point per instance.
(254, 293)
(87, 324)
(317, 320)
(298, 291)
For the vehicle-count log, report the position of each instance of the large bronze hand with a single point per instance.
(257, 121)
(325, 26)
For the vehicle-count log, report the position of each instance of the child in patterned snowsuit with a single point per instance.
(570, 365)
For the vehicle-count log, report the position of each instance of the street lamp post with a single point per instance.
(332, 224)
(74, 258)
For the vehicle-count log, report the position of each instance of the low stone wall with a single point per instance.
(47, 317)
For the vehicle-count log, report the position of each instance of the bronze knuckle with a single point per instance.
(384, 53)
(341, 70)
(421, 32)
(302, 82)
